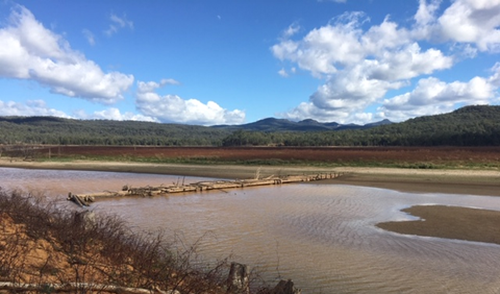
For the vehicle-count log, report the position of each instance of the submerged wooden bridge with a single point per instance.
(148, 191)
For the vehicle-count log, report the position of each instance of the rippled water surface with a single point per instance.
(321, 236)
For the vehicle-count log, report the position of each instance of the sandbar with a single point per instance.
(459, 223)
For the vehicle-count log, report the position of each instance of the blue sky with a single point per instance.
(238, 61)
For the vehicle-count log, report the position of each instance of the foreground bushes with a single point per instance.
(45, 248)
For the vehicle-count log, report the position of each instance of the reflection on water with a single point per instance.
(321, 236)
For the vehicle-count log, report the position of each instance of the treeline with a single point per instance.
(468, 126)
(59, 131)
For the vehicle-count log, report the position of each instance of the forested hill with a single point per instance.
(468, 126)
(52, 130)
(284, 125)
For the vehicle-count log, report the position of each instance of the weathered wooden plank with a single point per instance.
(85, 199)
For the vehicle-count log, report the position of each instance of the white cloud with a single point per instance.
(286, 73)
(430, 96)
(425, 19)
(172, 108)
(118, 23)
(308, 110)
(30, 51)
(282, 72)
(406, 63)
(322, 50)
(360, 64)
(384, 37)
(359, 67)
(164, 82)
(494, 79)
(145, 87)
(113, 114)
(426, 12)
(351, 90)
(89, 36)
(291, 30)
(473, 22)
(40, 108)
(30, 108)
(433, 96)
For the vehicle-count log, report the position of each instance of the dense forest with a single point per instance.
(60, 131)
(467, 126)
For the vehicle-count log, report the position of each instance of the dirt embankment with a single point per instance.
(48, 250)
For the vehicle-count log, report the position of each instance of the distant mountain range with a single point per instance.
(467, 126)
(281, 125)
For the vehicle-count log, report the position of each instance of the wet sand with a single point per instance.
(484, 183)
(449, 222)
(440, 221)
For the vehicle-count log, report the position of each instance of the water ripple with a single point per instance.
(322, 236)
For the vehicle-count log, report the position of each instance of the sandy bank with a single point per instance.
(469, 182)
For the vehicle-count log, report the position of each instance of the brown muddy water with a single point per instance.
(321, 236)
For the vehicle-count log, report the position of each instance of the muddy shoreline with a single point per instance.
(438, 219)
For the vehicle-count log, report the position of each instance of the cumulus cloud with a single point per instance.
(433, 96)
(172, 108)
(426, 12)
(359, 67)
(360, 64)
(30, 108)
(308, 110)
(113, 113)
(322, 50)
(472, 21)
(40, 108)
(425, 19)
(31, 51)
(118, 23)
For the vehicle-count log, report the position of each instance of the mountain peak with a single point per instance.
(308, 121)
